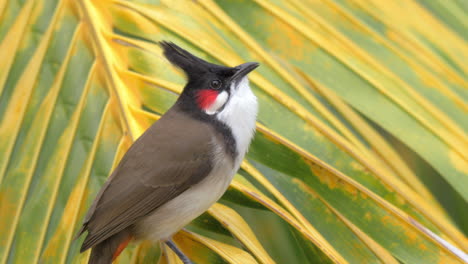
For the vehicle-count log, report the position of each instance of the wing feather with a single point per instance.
(170, 157)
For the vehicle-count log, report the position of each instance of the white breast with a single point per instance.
(240, 114)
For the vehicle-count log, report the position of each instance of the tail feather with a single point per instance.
(109, 249)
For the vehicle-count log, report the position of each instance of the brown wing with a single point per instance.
(166, 160)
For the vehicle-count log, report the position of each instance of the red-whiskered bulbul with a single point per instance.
(181, 165)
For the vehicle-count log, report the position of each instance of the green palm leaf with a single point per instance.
(360, 154)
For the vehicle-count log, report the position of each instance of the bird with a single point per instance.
(181, 165)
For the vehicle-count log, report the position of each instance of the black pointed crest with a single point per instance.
(183, 59)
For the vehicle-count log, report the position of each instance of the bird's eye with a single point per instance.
(216, 84)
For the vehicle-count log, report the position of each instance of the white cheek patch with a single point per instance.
(218, 103)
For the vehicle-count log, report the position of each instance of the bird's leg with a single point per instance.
(178, 252)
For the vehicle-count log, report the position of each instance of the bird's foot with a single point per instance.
(178, 252)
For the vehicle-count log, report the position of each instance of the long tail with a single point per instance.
(109, 249)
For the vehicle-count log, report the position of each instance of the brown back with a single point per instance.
(172, 155)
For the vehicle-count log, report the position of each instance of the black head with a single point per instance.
(205, 80)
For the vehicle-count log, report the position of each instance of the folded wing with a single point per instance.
(166, 160)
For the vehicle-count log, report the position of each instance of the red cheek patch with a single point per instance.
(206, 97)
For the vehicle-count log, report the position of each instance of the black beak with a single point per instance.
(243, 70)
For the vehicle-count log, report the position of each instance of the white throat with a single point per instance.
(240, 114)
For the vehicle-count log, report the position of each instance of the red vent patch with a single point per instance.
(206, 97)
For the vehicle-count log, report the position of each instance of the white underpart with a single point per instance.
(218, 103)
(239, 114)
